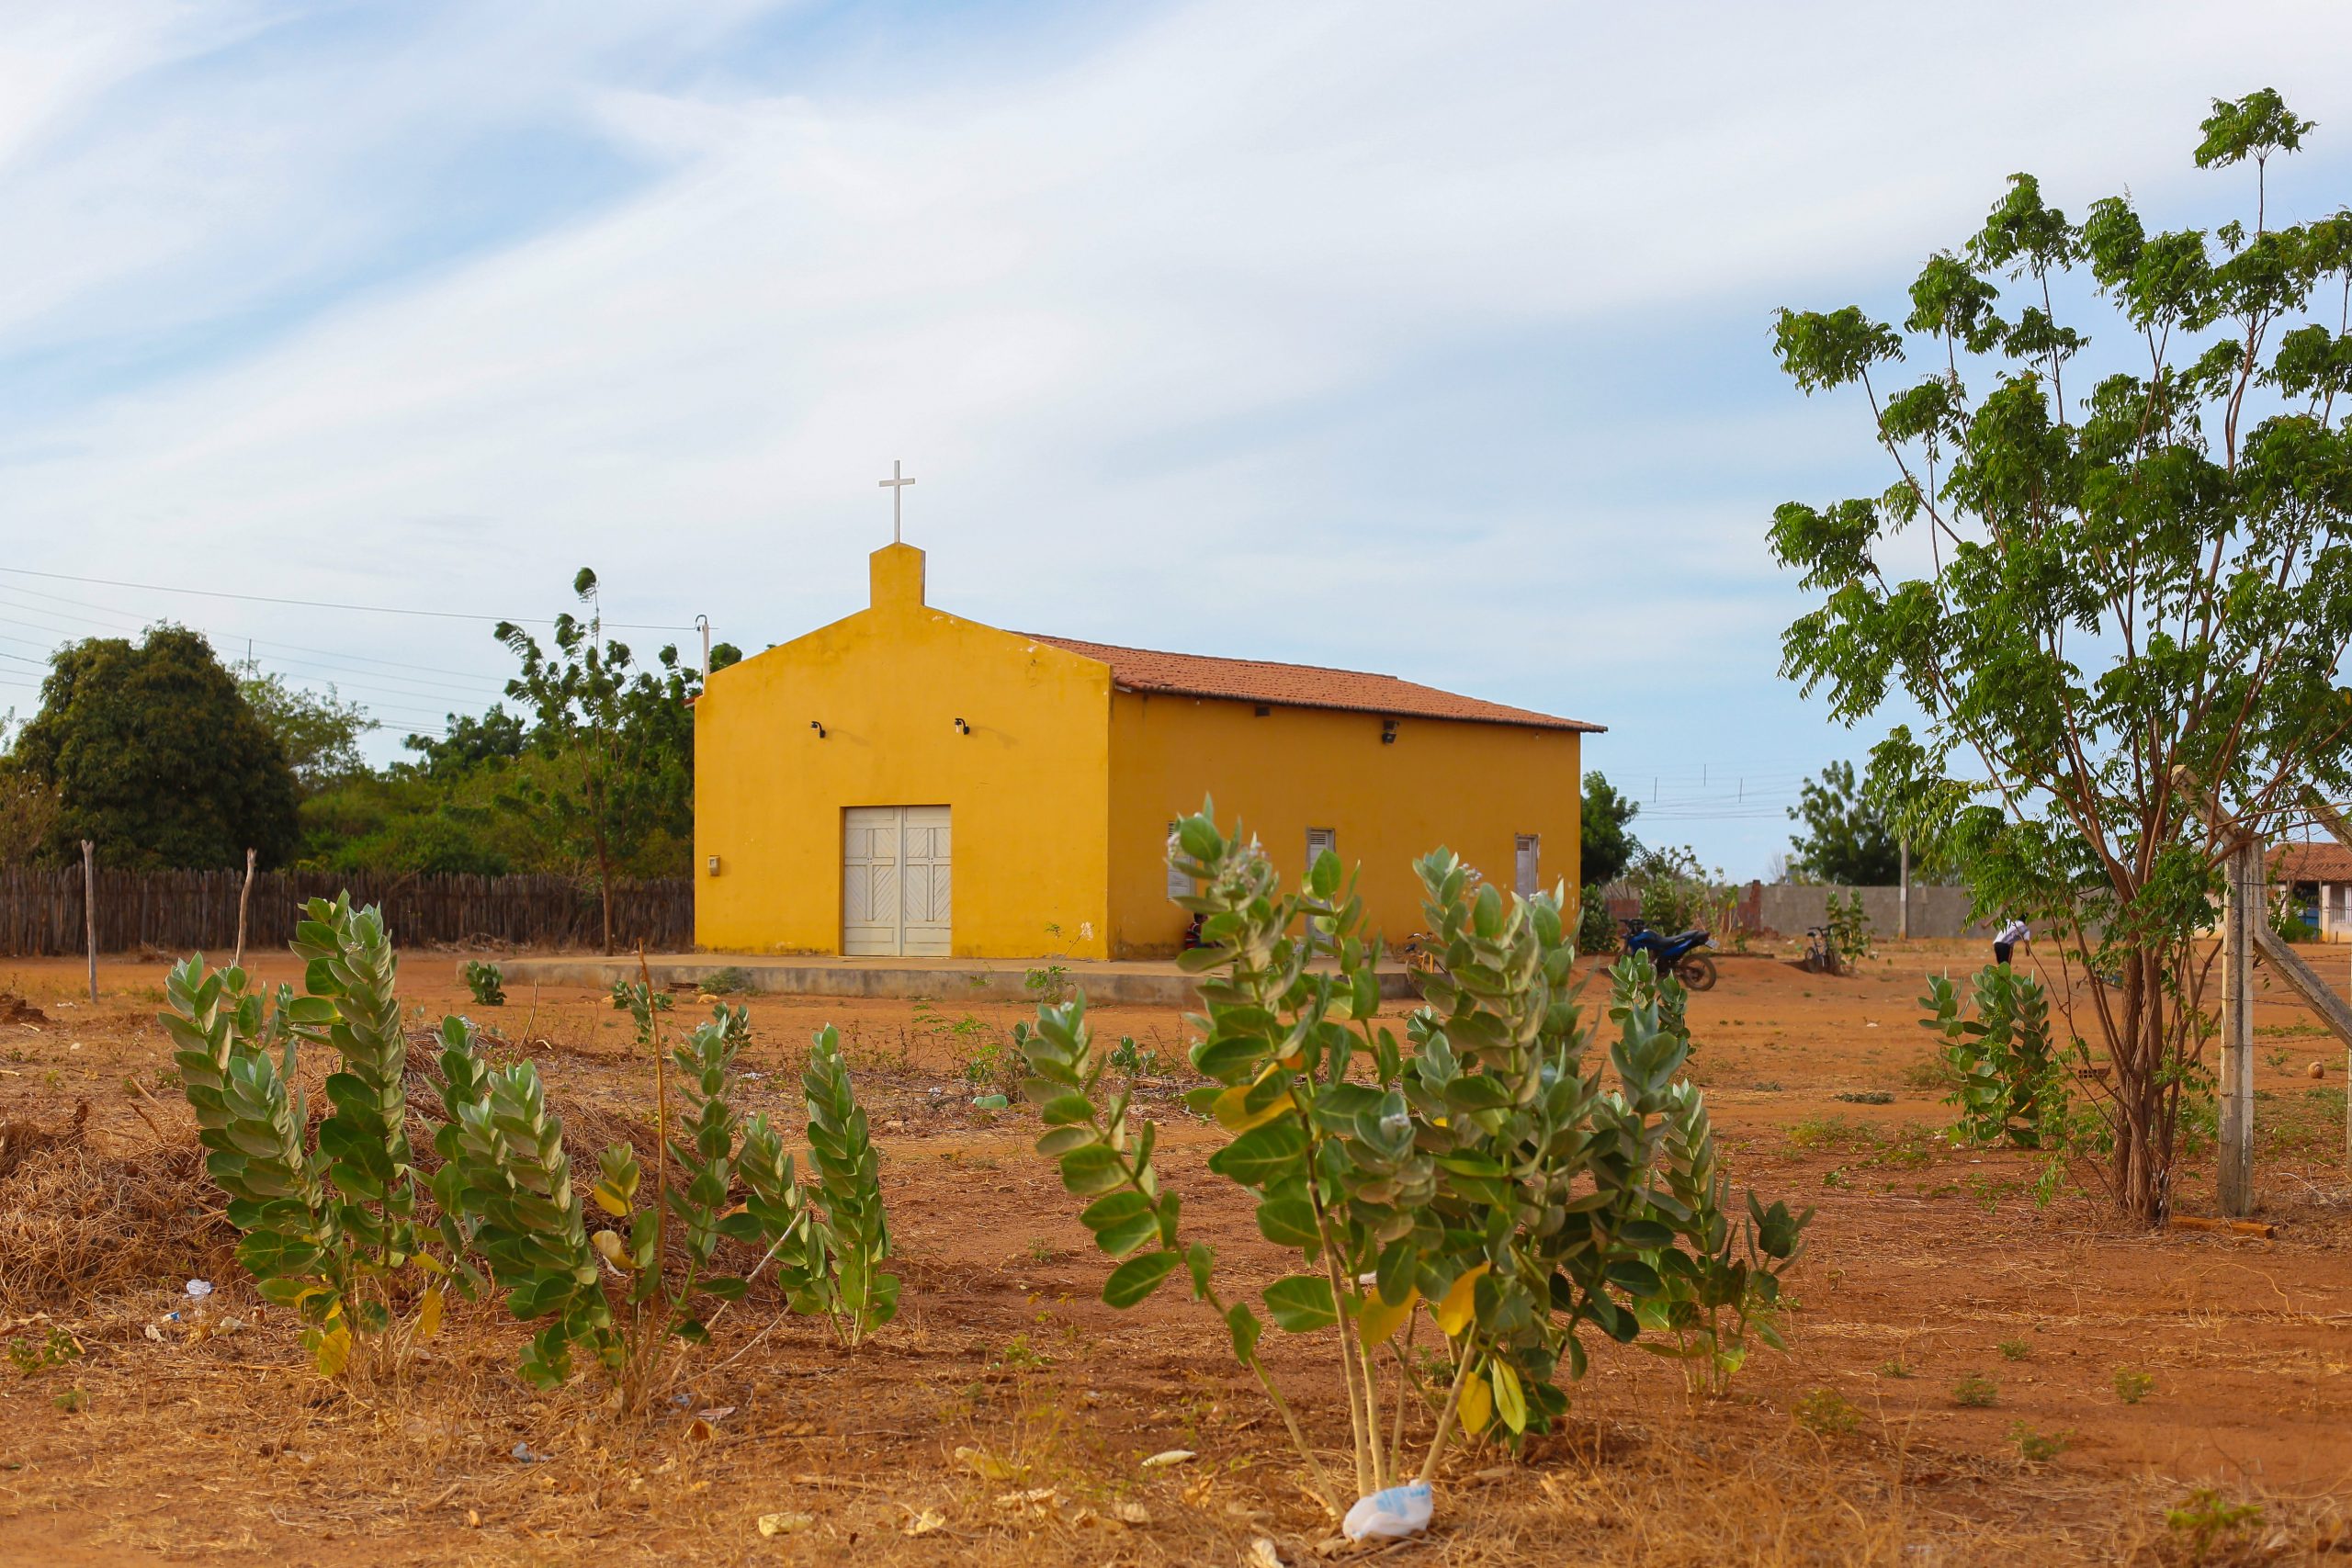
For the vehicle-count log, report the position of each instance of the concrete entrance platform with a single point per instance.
(1131, 983)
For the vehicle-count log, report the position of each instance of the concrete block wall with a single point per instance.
(1789, 908)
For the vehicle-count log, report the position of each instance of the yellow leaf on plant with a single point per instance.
(1378, 1320)
(1454, 1313)
(1509, 1398)
(428, 1313)
(608, 1198)
(608, 1246)
(1235, 1116)
(333, 1352)
(1477, 1406)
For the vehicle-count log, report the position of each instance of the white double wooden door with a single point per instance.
(896, 881)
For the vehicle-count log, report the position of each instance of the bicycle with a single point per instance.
(1821, 951)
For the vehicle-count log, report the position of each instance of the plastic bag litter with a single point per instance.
(200, 1289)
(1397, 1512)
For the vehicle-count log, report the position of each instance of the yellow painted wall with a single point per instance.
(1469, 786)
(1029, 787)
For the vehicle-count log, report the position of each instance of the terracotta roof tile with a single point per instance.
(1297, 685)
(2326, 862)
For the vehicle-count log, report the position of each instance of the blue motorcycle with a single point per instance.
(1675, 956)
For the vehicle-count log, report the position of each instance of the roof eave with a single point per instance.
(1570, 726)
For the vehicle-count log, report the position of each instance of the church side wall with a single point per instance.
(1472, 788)
(1027, 787)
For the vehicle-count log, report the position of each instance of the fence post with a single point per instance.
(1903, 916)
(90, 911)
(244, 896)
(2241, 909)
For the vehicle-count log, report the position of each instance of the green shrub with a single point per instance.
(2009, 1090)
(487, 982)
(333, 1231)
(2207, 1519)
(727, 982)
(1826, 1412)
(33, 1356)
(1596, 929)
(508, 1174)
(1134, 1060)
(1976, 1390)
(1493, 1177)
(1849, 927)
(2039, 1447)
(2132, 1387)
(624, 990)
(329, 1230)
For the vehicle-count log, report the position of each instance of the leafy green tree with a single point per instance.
(1845, 840)
(157, 756)
(1608, 847)
(28, 814)
(319, 735)
(402, 820)
(621, 737)
(2109, 584)
(471, 743)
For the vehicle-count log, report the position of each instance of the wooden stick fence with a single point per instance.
(46, 913)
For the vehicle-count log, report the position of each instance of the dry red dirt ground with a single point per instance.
(1927, 1265)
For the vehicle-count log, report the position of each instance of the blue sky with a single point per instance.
(1431, 340)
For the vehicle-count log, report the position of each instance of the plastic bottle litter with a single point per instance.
(200, 1289)
(1397, 1512)
(991, 1102)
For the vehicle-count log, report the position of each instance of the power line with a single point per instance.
(338, 687)
(488, 691)
(328, 653)
(321, 604)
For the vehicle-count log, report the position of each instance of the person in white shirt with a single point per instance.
(2008, 939)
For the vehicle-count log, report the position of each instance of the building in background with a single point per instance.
(2313, 882)
(908, 782)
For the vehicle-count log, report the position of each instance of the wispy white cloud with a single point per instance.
(1222, 283)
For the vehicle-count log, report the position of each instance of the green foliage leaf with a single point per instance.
(1300, 1303)
(1137, 1278)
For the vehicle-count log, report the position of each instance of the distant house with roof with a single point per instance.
(2314, 882)
(908, 782)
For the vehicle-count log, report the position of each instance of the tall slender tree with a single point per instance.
(2106, 564)
(621, 735)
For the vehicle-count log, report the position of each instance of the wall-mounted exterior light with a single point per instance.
(1388, 732)
(713, 863)
(963, 728)
(818, 728)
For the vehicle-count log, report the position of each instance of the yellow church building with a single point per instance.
(905, 782)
